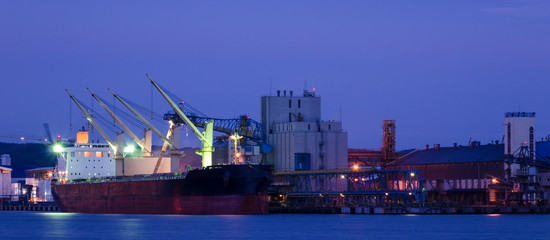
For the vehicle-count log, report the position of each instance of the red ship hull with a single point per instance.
(223, 190)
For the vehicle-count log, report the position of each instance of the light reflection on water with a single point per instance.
(36, 225)
(56, 215)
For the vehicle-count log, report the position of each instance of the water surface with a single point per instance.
(48, 225)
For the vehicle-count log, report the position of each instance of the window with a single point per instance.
(72, 154)
(329, 127)
(79, 154)
(88, 154)
(309, 127)
(108, 154)
(290, 103)
(290, 117)
(99, 154)
(299, 103)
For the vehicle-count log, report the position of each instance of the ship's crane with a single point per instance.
(91, 120)
(166, 140)
(143, 120)
(117, 119)
(205, 137)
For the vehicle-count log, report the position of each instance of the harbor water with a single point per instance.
(56, 225)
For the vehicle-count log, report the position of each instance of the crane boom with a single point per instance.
(163, 150)
(91, 120)
(180, 113)
(142, 119)
(205, 137)
(114, 116)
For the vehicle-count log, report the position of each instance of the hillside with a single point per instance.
(29, 154)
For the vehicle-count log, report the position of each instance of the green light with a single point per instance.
(129, 149)
(57, 148)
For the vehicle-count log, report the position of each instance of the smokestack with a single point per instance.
(278, 93)
(427, 146)
(284, 91)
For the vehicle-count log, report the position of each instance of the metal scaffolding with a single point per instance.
(361, 187)
(388, 141)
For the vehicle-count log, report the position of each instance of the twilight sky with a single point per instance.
(446, 71)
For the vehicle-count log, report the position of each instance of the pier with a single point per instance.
(32, 207)
(412, 210)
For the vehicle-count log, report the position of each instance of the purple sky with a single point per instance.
(445, 70)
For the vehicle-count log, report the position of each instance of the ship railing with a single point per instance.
(135, 178)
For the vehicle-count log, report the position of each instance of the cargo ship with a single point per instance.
(110, 177)
(223, 189)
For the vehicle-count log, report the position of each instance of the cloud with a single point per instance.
(538, 9)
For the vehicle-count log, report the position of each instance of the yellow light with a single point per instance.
(355, 167)
(342, 176)
(238, 154)
(410, 193)
(232, 137)
(386, 194)
(494, 180)
(57, 148)
(412, 174)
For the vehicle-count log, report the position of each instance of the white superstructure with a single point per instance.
(87, 160)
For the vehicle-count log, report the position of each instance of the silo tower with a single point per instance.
(519, 130)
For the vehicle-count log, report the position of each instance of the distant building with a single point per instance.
(456, 174)
(6, 160)
(40, 179)
(5, 181)
(519, 131)
(513, 172)
(300, 139)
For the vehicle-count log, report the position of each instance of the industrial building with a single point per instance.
(41, 180)
(512, 173)
(5, 181)
(459, 174)
(300, 139)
